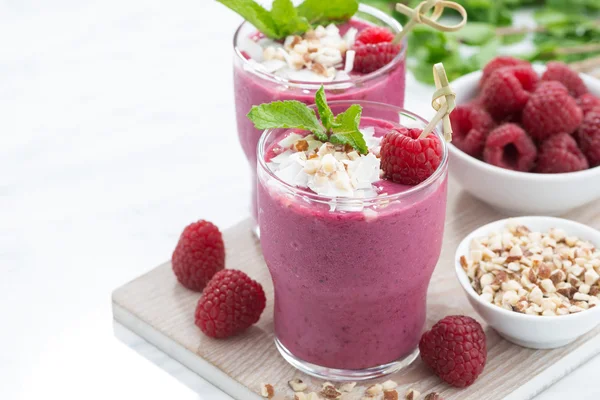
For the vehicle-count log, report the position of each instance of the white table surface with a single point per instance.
(114, 116)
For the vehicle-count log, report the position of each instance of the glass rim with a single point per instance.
(372, 11)
(435, 177)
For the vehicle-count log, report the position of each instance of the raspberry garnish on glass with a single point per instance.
(410, 156)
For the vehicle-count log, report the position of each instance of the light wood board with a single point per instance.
(161, 311)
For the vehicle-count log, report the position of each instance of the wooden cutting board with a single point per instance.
(161, 311)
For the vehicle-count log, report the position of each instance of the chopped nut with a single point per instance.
(347, 387)
(374, 390)
(298, 385)
(548, 286)
(267, 390)
(389, 385)
(433, 396)
(581, 296)
(558, 276)
(591, 277)
(330, 393)
(463, 262)
(390, 395)
(301, 145)
(412, 394)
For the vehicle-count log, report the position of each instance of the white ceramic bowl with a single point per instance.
(518, 193)
(534, 331)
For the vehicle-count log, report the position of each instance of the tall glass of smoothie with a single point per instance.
(350, 267)
(267, 70)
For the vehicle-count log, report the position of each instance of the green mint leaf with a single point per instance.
(286, 18)
(327, 118)
(286, 114)
(255, 14)
(347, 132)
(321, 12)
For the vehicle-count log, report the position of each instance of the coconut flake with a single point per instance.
(349, 66)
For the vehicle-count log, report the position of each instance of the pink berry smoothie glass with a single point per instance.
(351, 275)
(254, 87)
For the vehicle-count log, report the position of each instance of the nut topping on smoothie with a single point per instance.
(304, 43)
(338, 158)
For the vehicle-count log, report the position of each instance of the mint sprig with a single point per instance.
(285, 114)
(341, 129)
(346, 129)
(284, 19)
(322, 12)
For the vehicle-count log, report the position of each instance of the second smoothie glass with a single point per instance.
(351, 275)
(253, 86)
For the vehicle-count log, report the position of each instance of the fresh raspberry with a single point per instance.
(199, 254)
(560, 72)
(455, 349)
(374, 35)
(470, 127)
(588, 102)
(500, 62)
(230, 304)
(589, 137)
(559, 154)
(551, 111)
(507, 90)
(371, 57)
(508, 146)
(408, 160)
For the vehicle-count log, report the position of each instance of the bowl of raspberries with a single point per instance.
(527, 137)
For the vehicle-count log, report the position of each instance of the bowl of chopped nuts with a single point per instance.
(535, 280)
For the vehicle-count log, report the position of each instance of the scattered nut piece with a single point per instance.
(389, 385)
(298, 385)
(412, 394)
(329, 392)
(374, 390)
(433, 396)
(347, 387)
(267, 390)
(390, 395)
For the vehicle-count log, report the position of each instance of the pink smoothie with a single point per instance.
(254, 89)
(350, 287)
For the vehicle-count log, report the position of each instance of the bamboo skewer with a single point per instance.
(418, 15)
(443, 102)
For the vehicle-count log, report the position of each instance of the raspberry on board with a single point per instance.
(500, 62)
(507, 90)
(455, 349)
(371, 57)
(374, 35)
(509, 147)
(560, 72)
(408, 160)
(589, 137)
(470, 127)
(199, 254)
(560, 154)
(230, 304)
(551, 111)
(588, 102)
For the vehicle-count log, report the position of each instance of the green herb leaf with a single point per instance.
(327, 118)
(286, 17)
(325, 11)
(286, 114)
(254, 13)
(347, 132)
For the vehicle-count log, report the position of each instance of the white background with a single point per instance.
(115, 119)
